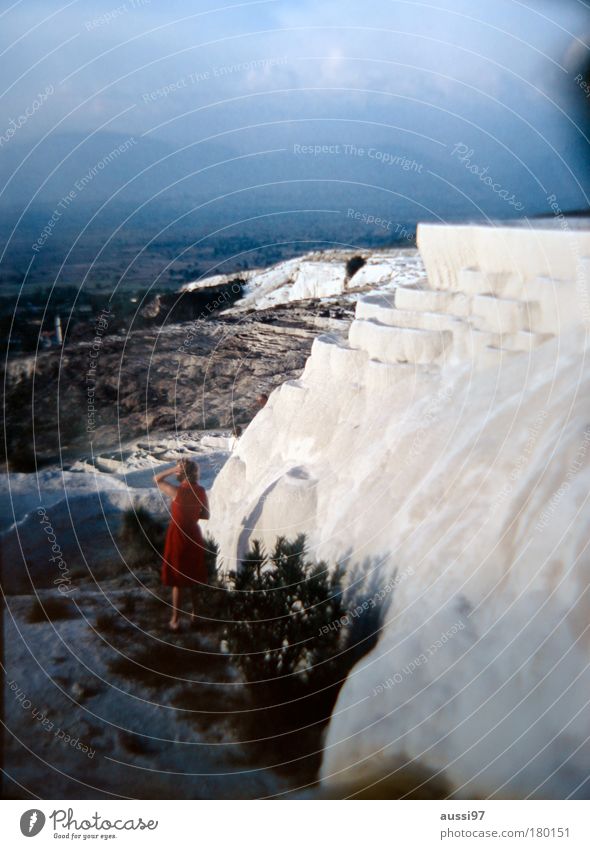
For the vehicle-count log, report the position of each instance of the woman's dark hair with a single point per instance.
(191, 470)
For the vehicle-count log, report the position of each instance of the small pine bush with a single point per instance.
(279, 605)
(211, 553)
(284, 635)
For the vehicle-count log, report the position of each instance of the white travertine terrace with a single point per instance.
(316, 275)
(448, 444)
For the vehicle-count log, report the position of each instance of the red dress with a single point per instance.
(184, 554)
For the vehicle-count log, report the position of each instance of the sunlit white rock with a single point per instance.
(469, 475)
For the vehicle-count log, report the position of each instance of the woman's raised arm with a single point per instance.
(163, 485)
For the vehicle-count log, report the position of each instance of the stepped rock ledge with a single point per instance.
(447, 445)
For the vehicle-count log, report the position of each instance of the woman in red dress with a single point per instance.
(183, 563)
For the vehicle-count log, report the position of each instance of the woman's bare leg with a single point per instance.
(174, 621)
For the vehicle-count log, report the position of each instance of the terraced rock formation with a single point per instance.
(447, 442)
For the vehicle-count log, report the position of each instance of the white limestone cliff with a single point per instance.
(449, 440)
(319, 274)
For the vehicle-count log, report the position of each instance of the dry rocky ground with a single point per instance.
(190, 376)
(112, 705)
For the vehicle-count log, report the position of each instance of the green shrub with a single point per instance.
(279, 606)
(211, 554)
(284, 619)
(286, 636)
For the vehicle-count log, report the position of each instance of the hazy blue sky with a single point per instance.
(497, 76)
(103, 56)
